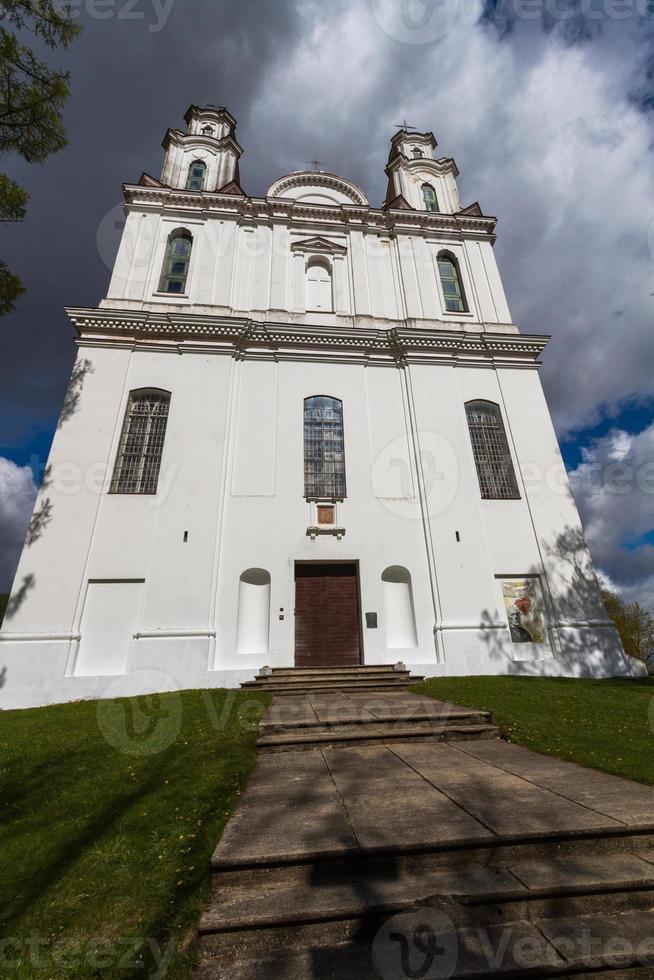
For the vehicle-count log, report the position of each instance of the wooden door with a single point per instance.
(327, 622)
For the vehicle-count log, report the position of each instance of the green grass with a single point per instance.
(109, 812)
(606, 724)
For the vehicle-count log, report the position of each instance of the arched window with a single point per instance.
(207, 130)
(429, 197)
(141, 442)
(177, 261)
(417, 153)
(448, 270)
(490, 449)
(324, 448)
(319, 287)
(197, 174)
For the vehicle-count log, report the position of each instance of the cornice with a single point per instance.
(444, 165)
(246, 337)
(345, 216)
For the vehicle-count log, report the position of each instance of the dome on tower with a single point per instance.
(318, 187)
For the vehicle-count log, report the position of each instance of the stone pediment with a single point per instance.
(233, 187)
(147, 181)
(318, 244)
(473, 210)
(398, 204)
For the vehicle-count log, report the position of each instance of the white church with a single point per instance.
(301, 430)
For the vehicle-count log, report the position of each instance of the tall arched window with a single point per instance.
(491, 452)
(141, 442)
(429, 197)
(197, 174)
(448, 270)
(177, 261)
(324, 448)
(417, 153)
(319, 287)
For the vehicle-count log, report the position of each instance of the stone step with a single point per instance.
(401, 859)
(311, 687)
(332, 677)
(545, 947)
(362, 734)
(313, 671)
(524, 887)
(394, 715)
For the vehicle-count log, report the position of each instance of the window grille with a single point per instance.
(324, 448)
(451, 283)
(176, 263)
(141, 443)
(429, 197)
(497, 480)
(197, 173)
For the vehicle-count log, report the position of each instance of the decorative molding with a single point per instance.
(322, 530)
(319, 244)
(39, 637)
(164, 634)
(244, 337)
(317, 179)
(343, 217)
(471, 627)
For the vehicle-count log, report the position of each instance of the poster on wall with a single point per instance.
(523, 601)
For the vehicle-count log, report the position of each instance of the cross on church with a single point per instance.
(316, 164)
(404, 125)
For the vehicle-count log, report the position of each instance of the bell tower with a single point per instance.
(206, 156)
(417, 179)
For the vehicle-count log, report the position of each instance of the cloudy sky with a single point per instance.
(548, 108)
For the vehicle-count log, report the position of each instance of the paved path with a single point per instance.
(330, 838)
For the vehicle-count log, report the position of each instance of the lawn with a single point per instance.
(109, 812)
(606, 724)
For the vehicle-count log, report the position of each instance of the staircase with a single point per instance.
(381, 828)
(572, 907)
(321, 707)
(305, 680)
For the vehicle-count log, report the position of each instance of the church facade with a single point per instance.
(301, 430)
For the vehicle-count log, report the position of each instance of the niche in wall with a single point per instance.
(399, 613)
(253, 622)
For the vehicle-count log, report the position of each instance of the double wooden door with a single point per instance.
(327, 619)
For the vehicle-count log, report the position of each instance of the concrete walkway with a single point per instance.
(341, 857)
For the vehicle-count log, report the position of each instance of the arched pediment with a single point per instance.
(314, 187)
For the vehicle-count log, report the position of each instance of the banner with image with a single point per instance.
(523, 601)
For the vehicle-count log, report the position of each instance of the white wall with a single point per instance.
(232, 477)
(238, 269)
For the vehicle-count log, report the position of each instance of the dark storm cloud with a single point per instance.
(129, 84)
